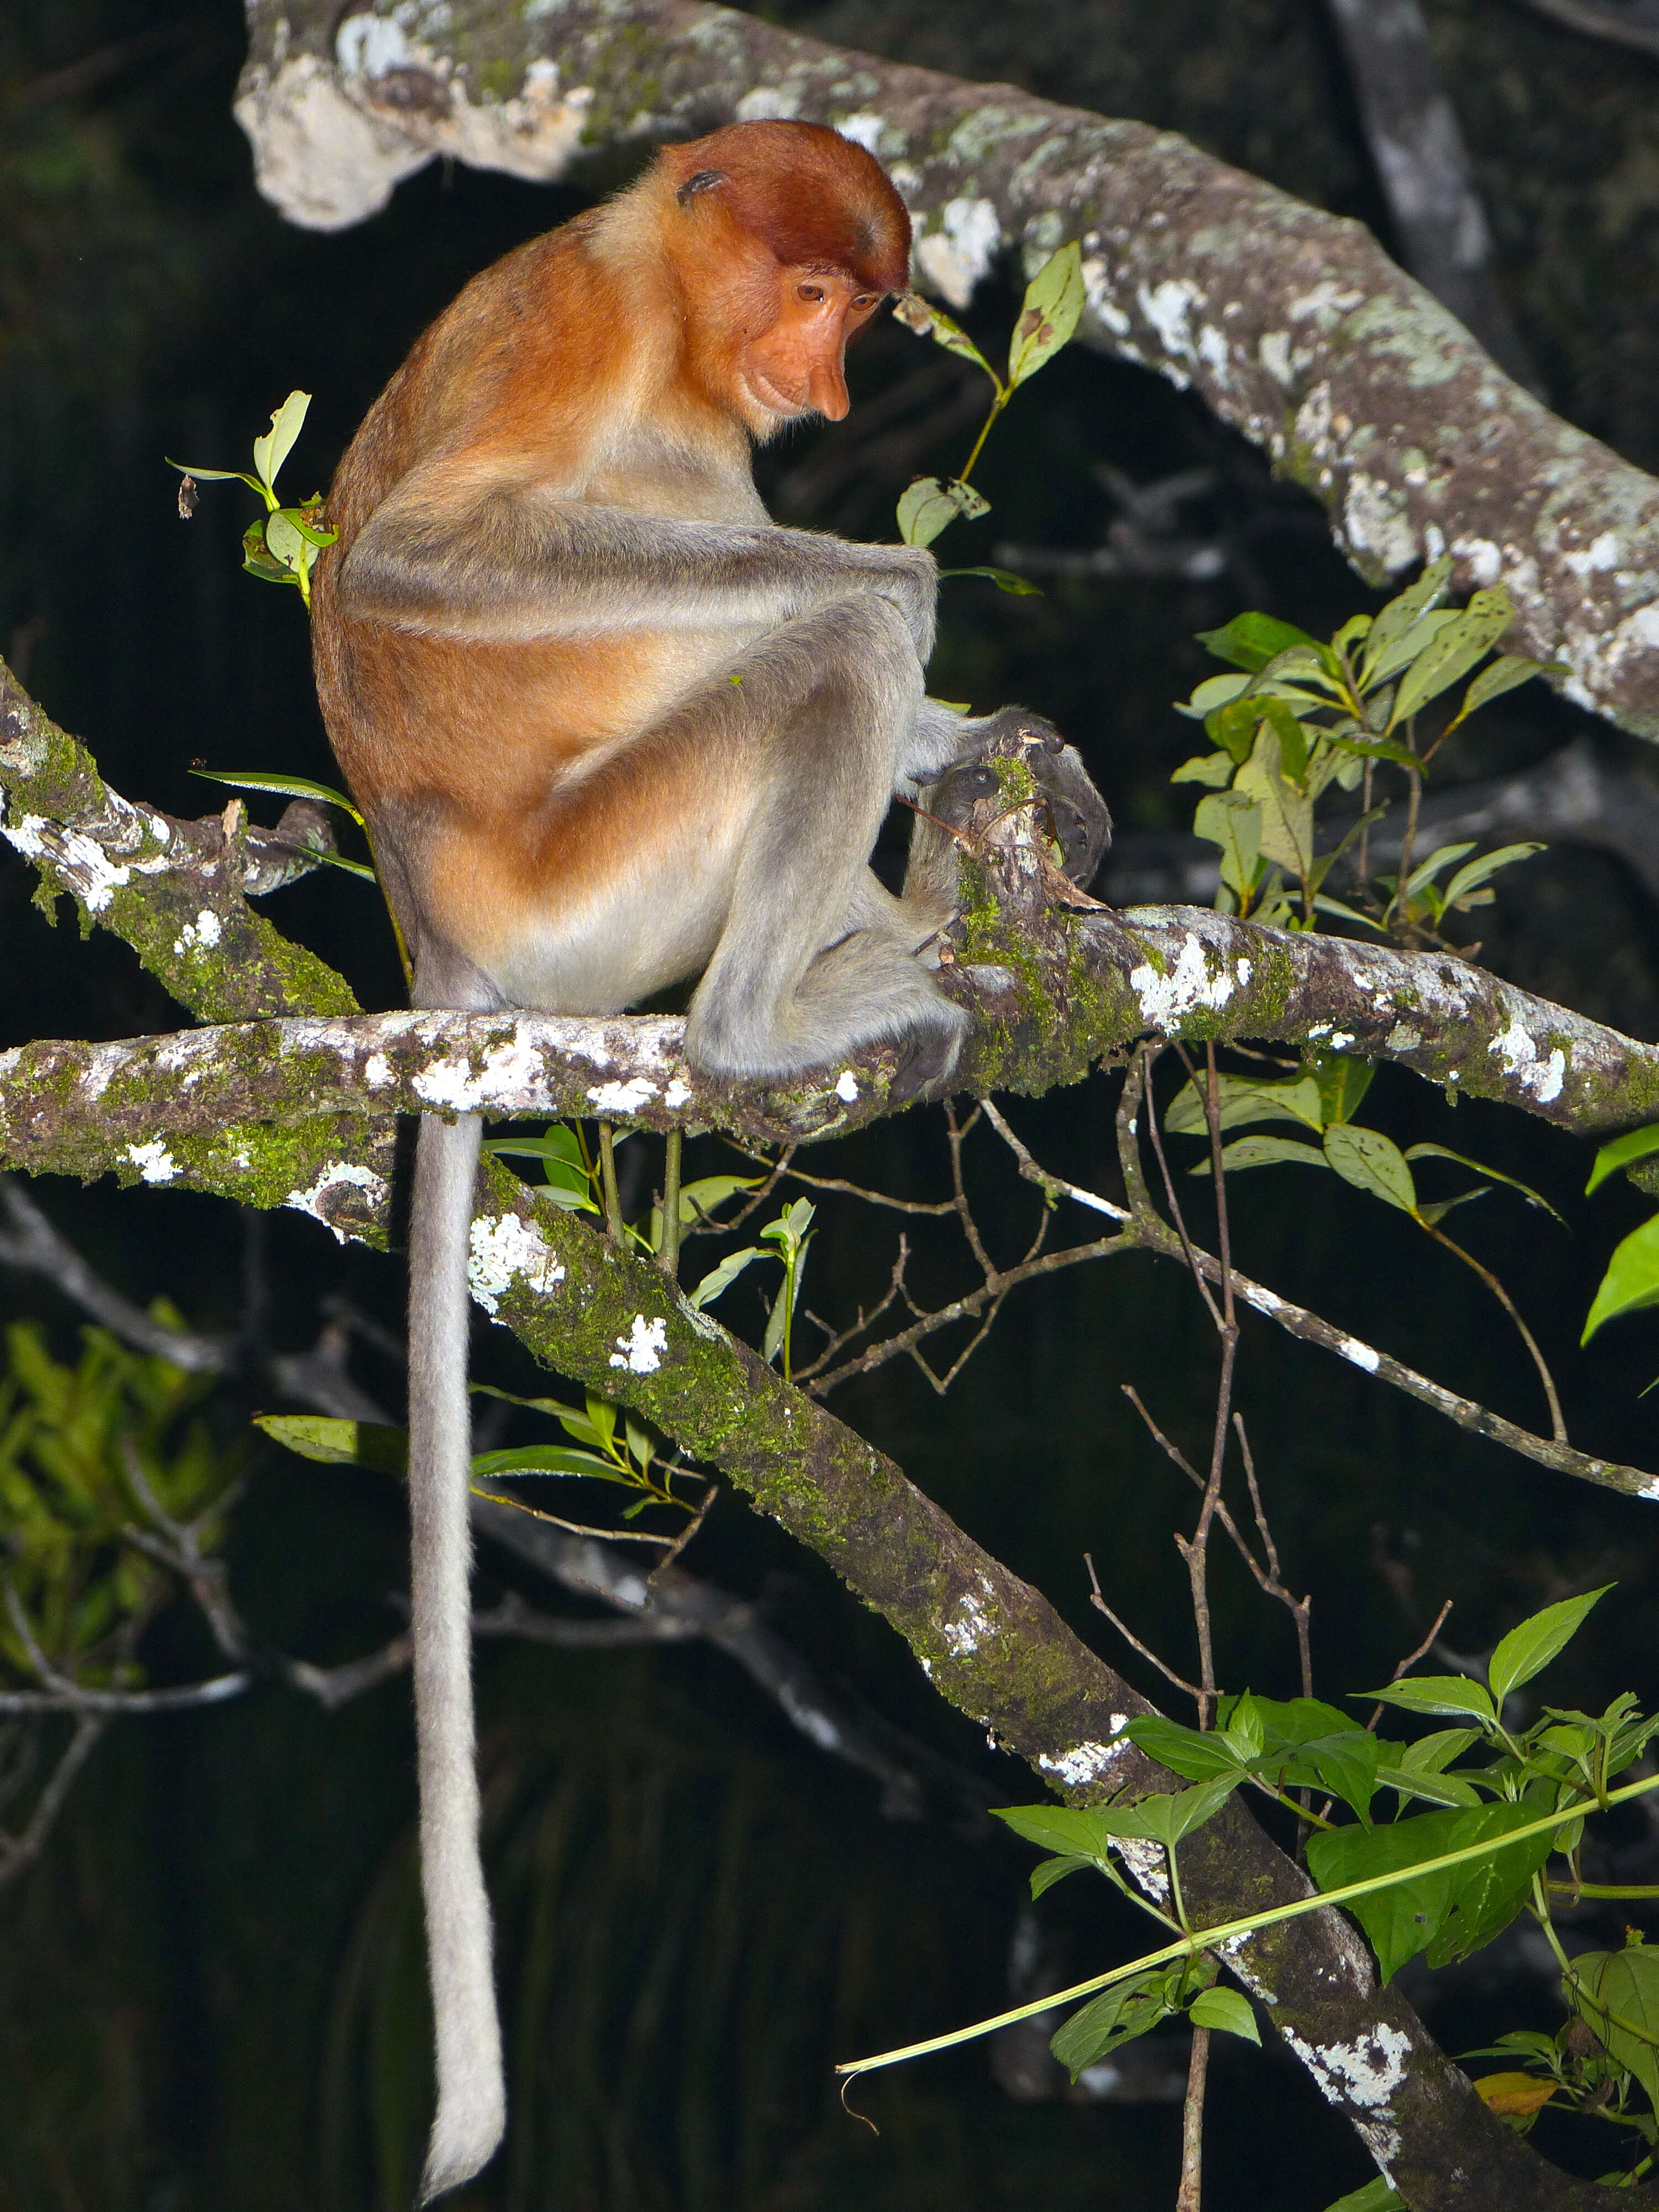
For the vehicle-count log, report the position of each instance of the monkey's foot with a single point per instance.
(1072, 807)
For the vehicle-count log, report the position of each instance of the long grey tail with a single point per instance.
(472, 2093)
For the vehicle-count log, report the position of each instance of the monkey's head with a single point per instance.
(786, 238)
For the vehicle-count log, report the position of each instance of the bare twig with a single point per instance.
(1189, 2192)
(29, 1242)
(1273, 1582)
(1633, 23)
(21, 1850)
(1412, 1658)
(1096, 1599)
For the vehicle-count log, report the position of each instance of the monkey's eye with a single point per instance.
(813, 292)
(865, 302)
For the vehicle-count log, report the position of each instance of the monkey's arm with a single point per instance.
(514, 563)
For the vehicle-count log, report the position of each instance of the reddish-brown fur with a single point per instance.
(630, 314)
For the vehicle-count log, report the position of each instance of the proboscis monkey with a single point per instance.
(611, 727)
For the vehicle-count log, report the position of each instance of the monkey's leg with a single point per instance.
(815, 960)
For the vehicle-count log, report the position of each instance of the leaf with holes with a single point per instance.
(287, 422)
(1048, 314)
(932, 503)
(928, 322)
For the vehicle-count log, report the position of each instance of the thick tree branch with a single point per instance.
(1292, 325)
(1633, 23)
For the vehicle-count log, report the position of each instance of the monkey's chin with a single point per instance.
(770, 410)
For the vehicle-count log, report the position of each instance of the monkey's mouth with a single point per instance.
(762, 390)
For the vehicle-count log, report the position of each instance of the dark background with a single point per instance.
(211, 1990)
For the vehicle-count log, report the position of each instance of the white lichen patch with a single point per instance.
(641, 1349)
(847, 1087)
(377, 1071)
(199, 936)
(1377, 524)
(622, 1097)
(153, 1161)
(1362, 2075)
(766, 103)
(1087, 1762)
(503, 1251)
(83, 863)
(1540, 1076)
(350, 1172)
(1340, 1040)
(1190, 984)
(1147, 1867)
(971, 1625)
(1359, 1353)
(865, 129)
(953, 258)
(676, 1093)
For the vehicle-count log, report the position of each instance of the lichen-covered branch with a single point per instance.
(1292, 325)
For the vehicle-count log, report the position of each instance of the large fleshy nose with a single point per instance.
(827, 387)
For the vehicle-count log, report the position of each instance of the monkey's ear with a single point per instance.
(705, 181)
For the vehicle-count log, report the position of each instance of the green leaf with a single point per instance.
(1195, 1756)
(1402, 614)
(1627, 1982)
(1502, 676)
(1342, 1081)
(1226, 2010)
(1512, 1183)
(1251, 641)
(721, 1277)
(1115, 2017)
(1487, 1895)
(931, 503)
(1265, 1152)
(1346, 1765)
(708, 1193)
(1244, 1098)
(286, 423)
(1214, 768)
(1372, 1162)
(339, 1443)
(1375, 2197)
(1434, 1789)
(545, 1459)
(928, 322)
(1406, 648)
(1073, 1831)
(1448, 1911)
(351, 867)
(1048, 1872)
(1214, 691)
(1631, 1280)
(1228, 819)
(1453, 652)
(1634, 1145)
(1161, 1819)
(1481, 870)
(290, 787)
(1004, 579)
(213, 476)
(1324, 905)
(1287, 828)
(1449, 1694)
(1530, 1647)
(1425, 871)
(1048, 315)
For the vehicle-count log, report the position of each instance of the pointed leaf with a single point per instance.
(721, 1277)
(1372, 1162)
(1022, 587)
(1514, 2096)
(1451, 1694)
(1195, 1756)
(1401, 651)
(1512, 1183)
(928, 322)
(1251, 641)
(1402, 614)
(213, 475)
(1214, 768)
(1226, 2010)
(1242, 1099)
(1453, 652)
(1631, 1281)
(1425, 871)
(1481, 870)
(1375, 2197)
(1288, 830)
(545, 1459)
(1073, 1831)
(339, 1443)
(1530, 1647)
(1214, 691)
(1628, 1982)
(1342, 1081)
(1502, 676)
(1634, 1145)
(1048, 1872)
(1048, 315)
(290, 787)
(1115, 2017)
(286, 423)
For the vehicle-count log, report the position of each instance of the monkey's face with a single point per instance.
(790, 362)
